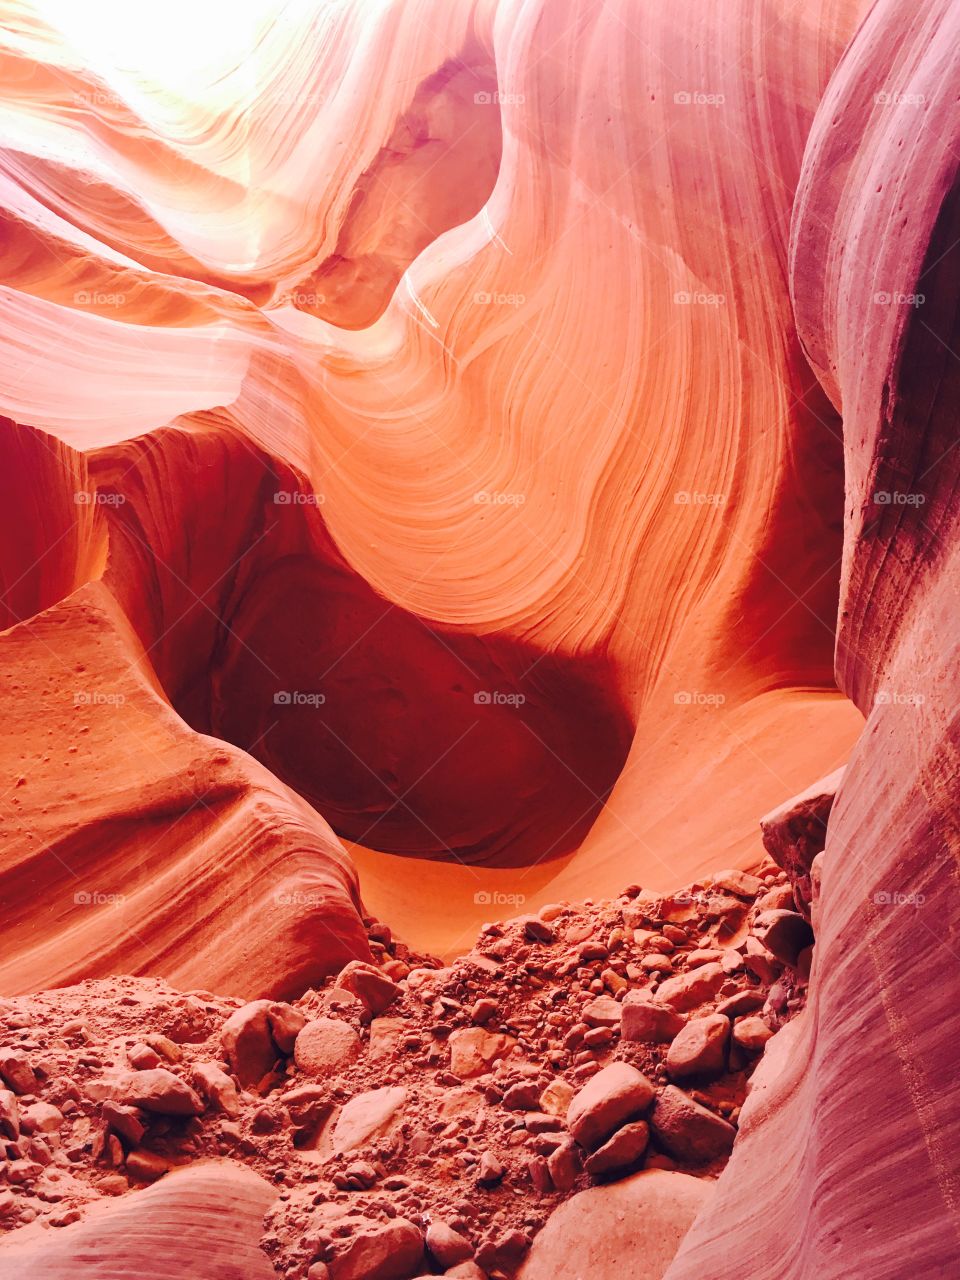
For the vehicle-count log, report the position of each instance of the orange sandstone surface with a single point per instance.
(465, 463)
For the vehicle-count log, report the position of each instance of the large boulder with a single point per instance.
(256, 1036)
(158, 1090)
(645, 1020)
(367, 1115)
(700, 1049)
(624, 1229)
(795, 832)
(691, 989)
(617, 1094)
(325, 1046)
(688, 1131)
(380, 1251)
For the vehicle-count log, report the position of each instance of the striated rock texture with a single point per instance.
(305, 380)
(456, 458)
(864, 1100)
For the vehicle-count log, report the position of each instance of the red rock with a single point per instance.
(796, 832)
(126, 1121)
(483, 1011)
(326, 1046)
(707, 956)
(751, 1034)
(489, 1171)
(563, 1165)
(142, 1057)
(446, 1246)
(784, 934)
(503, 1252)
(645, 1020)
(602, 1012)
(367, 1115)
(737, 882)
(390, 1251)
(617, 1094)
(40, 1117)
(556, 1097)
(370, 985)
(9, 1115)
(248, 1040)
(700, 1049)
(146, 1166)
(688, 1131)
(522, 1097)
(537, 930)
(216, 1086)
(474, 1052)
(159, 1091)
(740, 1003)
(620, 1154)
(16, 1071)
(690, 990)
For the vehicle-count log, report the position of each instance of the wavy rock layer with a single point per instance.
(204, 1221)
(467, 415)
(875, 271)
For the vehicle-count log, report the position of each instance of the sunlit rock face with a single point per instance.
(440, 429)
(458, 456)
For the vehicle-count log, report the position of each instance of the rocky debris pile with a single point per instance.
(415, 1118)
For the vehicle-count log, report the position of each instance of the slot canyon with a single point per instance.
(479, 646)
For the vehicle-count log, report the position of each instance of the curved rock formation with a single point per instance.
(345, 430)
(874, 269)
(459, 459)
(201, 1221)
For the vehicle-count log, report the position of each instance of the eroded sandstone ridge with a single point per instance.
(457, 457)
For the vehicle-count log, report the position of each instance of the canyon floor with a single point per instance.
(409, 1118)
